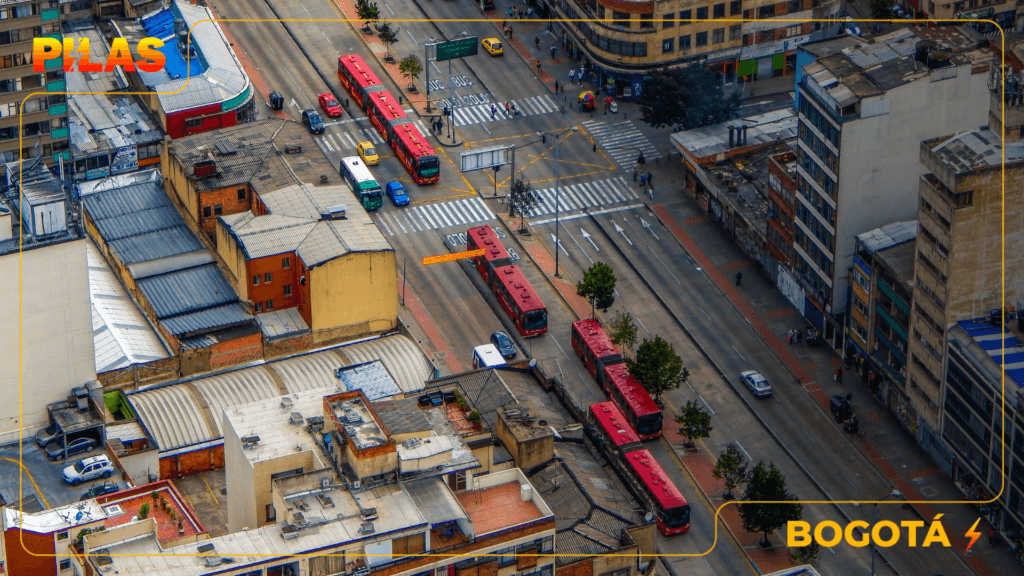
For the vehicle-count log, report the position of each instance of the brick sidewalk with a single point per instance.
(428, 327)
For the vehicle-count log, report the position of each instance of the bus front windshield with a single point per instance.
(676, 517)
(535, 319)
(428, 166)
(649, 424)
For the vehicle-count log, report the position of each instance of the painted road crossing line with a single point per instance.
(622, 141)
(573, 197)
(349, 140)
(421, 217)
(480, 113)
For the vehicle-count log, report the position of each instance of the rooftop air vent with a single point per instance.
(205, 548)
(286, 402)
(337, 212)
(249, 442)
(368, 513)
(205, 168)
(293, 149)
(296, 418)
(366, 528)
(315, 421)
(411, 443)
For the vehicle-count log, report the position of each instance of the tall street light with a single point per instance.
(874, 549)
(558, 141)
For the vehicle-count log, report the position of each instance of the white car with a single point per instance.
(88, 469)
(758, 384)
(851, 27)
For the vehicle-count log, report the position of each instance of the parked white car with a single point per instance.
(88, 469)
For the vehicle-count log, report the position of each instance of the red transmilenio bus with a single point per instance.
(614, 427)
(385, 113)
(358, 78)
(672, 510)
(636, 404)
(594, 347)
(495, 254)
(520, 301)
(416, 154)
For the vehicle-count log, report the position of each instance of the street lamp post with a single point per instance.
(874, 549)
(558, 140)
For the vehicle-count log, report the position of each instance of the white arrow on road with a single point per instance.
(296, 104)
(621, 231)
(559, 244)
(587, 238)
(649, 229)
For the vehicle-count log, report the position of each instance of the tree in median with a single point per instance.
(411, 68)
(597, 286)
(809, 554)
(731, 468)
(624, 333)
(658, 367)
(767, 484)
(689, 97)
(694, 422)
(387, 36)
(368, 12)
(521, 200)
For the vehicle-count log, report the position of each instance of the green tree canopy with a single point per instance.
(598, 285)
(624, 333)
(690, 97)
(657, 367)
(387, 36)
(731, 468)
(767, 484)
(694, 422)
(411, 68)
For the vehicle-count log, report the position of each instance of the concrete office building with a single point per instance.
(855, 98)
(965, 256)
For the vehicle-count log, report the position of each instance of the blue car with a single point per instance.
(397, 193)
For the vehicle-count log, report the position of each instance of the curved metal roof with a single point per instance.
(189, 413)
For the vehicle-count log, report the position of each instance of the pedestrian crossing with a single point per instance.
(622, 141)
(573, 197)
(465, 115)
(421, 217)
(468, 211)
(340, 140)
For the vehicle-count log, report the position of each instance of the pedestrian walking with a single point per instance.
(839, 373)
(536, 41)
(650, 178)
(553, 50)
(991, 537)
(514, 111)
(739, 278)
(636, 171)
(510, 13)
(538, 66)
(556, 86)
(643, 180)
(650, 192)
(789, 336)
(529, 13)
(506, 108)
(509, 32)
(493, 110)
(799, 336)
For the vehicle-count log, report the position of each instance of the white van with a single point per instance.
(487, 356)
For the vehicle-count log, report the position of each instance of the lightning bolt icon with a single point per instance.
(973, 535)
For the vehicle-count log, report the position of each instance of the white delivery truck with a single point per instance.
(487, 356)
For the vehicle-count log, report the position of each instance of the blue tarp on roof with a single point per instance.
(1017, 375)
(161, 25)
(996, 344)
(1013, 357)
(980, 324)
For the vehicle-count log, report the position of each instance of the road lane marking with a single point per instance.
(706, 404)
(809, 437)
(740, 353)
(744, 451)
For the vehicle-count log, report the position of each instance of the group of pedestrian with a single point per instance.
(515, 13)
(508, 32)
(438, 126)
(646, 180)
(795, 336)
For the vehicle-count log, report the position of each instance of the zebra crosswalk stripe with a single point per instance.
(585, 195)
(621, 141)
(481, 113)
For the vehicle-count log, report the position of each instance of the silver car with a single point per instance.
(758, 384)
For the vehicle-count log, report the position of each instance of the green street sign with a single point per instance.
(456, 48)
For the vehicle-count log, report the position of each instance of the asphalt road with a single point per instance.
(589, 179)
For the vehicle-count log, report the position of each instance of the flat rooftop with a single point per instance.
(762, 129)
(122, 508)
(976, 149)
(358, 422)
(498, 507)
(279, 423)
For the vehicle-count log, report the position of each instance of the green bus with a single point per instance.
(361, 182)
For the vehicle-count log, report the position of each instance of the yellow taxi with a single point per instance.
(368, 153)
(492, 46)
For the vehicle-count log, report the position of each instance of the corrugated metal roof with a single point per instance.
(191, 412)
(187, 290)
(140, 270)
(219, 316)
(140, 222)
(154, 245)
(121, 334)
(271, 234)
(402, 357)
(889, 235)
(125, 431)
(129, 199)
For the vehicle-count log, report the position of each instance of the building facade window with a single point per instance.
(702, 38)
(258, 307)
(735, 7)
(218, 209)
(286, 262)
(702, 13)
(194, 123)
(684, 42)
(718, 36)
(668, 20)
(667, 45)
(207, 212)
(268, 305)
(287, 290)
(620, 19)
(735, 32)
(647, 21)
(241, 193)
(685, 15)
(268, 277)
(719, 10)
(256, 280)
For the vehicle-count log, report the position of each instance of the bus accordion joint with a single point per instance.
(452, 256)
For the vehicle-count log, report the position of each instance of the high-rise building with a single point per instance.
(967, 262)
(858, 97)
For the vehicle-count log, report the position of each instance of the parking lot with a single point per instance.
(41, 486)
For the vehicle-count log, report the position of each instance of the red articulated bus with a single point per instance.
(594, 347)
(416, 154)
(614, 427)
(520, 301)
(636, 404)
(672, 510)
(357, 78)
(385, 113)
(495, 254)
